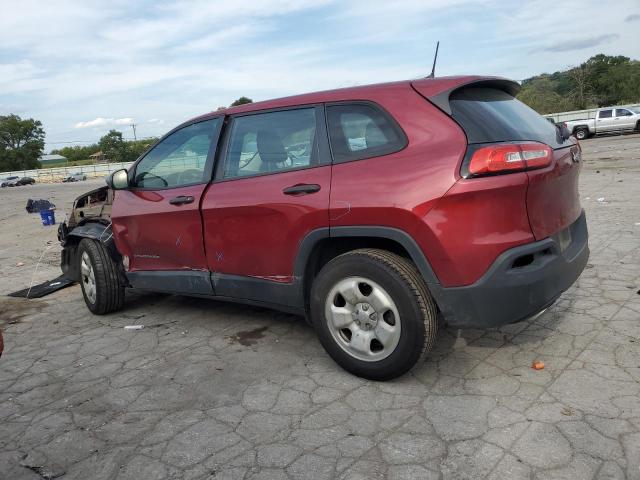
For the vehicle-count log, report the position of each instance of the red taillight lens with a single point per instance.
(504, 158)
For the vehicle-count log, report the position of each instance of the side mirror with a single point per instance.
(118, 180)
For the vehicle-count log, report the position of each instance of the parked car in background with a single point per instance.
(9, 181)
(607, 120)
(26, 181)
(75, 177)
(374, 211)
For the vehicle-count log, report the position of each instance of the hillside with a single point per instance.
(599, 82)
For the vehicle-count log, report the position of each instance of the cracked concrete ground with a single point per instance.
(214, 390)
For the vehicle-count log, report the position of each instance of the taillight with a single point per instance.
(505, 158)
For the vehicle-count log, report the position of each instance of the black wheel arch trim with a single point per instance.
(71, 239)
(309, 242)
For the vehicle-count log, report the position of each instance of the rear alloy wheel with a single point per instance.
(582, 133)
(102, 289)
(373, 313)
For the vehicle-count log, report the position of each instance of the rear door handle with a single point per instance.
(302, 189)
(181, 200)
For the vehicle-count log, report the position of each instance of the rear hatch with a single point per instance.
(490, 115)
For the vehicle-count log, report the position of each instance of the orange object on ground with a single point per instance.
(537, 365)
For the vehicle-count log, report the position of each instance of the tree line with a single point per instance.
(113, 146)
(601, 81)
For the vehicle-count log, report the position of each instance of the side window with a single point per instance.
(360, 131)
(180, 159)
(271, 142)
(621, 112)
(605, 113)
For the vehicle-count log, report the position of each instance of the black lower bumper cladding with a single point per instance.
(520, 283)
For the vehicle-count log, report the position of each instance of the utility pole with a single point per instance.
(133, 125)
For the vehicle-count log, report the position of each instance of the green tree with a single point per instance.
(241, 101)
(540, 94)
(114, 147)
(21, 143)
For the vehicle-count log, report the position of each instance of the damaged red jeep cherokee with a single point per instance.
(373, 211)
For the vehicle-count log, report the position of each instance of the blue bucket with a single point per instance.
(48, 217)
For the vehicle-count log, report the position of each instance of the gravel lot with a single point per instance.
(214, 390)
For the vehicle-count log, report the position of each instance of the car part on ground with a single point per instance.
(449, 199)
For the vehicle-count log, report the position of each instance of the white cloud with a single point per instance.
(104, 122)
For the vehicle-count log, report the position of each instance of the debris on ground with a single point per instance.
(567, 411)
(43, 289)
(537, 365)
(601, 199)
(134, 327)
(20, 264)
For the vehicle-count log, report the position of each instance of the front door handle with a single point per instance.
(302, 189)
(181, 200)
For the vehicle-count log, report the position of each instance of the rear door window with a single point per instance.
(272, 142)
(490, 115)
(605, 114)
(359, 131)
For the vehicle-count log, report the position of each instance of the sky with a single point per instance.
(85, 67)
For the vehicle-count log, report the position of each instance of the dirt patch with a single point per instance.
(248, 337)
(13, 310)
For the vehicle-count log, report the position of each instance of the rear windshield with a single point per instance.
(491, 115)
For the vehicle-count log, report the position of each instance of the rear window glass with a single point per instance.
(490, 115)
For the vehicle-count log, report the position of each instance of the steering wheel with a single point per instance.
(189, 176)
(144, 175)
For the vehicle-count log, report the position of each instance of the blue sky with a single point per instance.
(83, 67)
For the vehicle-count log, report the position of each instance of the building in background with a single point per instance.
(98, 157)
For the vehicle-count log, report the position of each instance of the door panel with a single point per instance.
(624, 119)
(252, 228)
(604, 121)
(158, 235)
(157, 222)
(272, 189)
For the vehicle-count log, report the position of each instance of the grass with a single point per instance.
(75, 163)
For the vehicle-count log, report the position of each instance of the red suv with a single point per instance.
(372, 210)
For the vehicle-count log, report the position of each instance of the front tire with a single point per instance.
(373, 313)
(101, 287)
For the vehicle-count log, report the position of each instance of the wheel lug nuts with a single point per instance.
(365, 307)
(372, 316)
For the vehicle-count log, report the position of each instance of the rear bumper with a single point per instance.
(520, 283)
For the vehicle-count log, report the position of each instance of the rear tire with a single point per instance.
(373, 313)
(101, 287)
(582, 133)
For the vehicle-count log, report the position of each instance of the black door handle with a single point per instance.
(181, 200)
(302, 189)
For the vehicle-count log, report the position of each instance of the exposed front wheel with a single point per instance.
(373, 313)
(582, 133)
(102, 289)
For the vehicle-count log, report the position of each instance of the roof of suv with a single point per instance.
(429, 87)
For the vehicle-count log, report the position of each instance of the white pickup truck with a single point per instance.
(608, 120)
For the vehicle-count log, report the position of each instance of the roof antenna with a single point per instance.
(435, 59)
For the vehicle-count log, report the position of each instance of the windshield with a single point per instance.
(489, 115)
